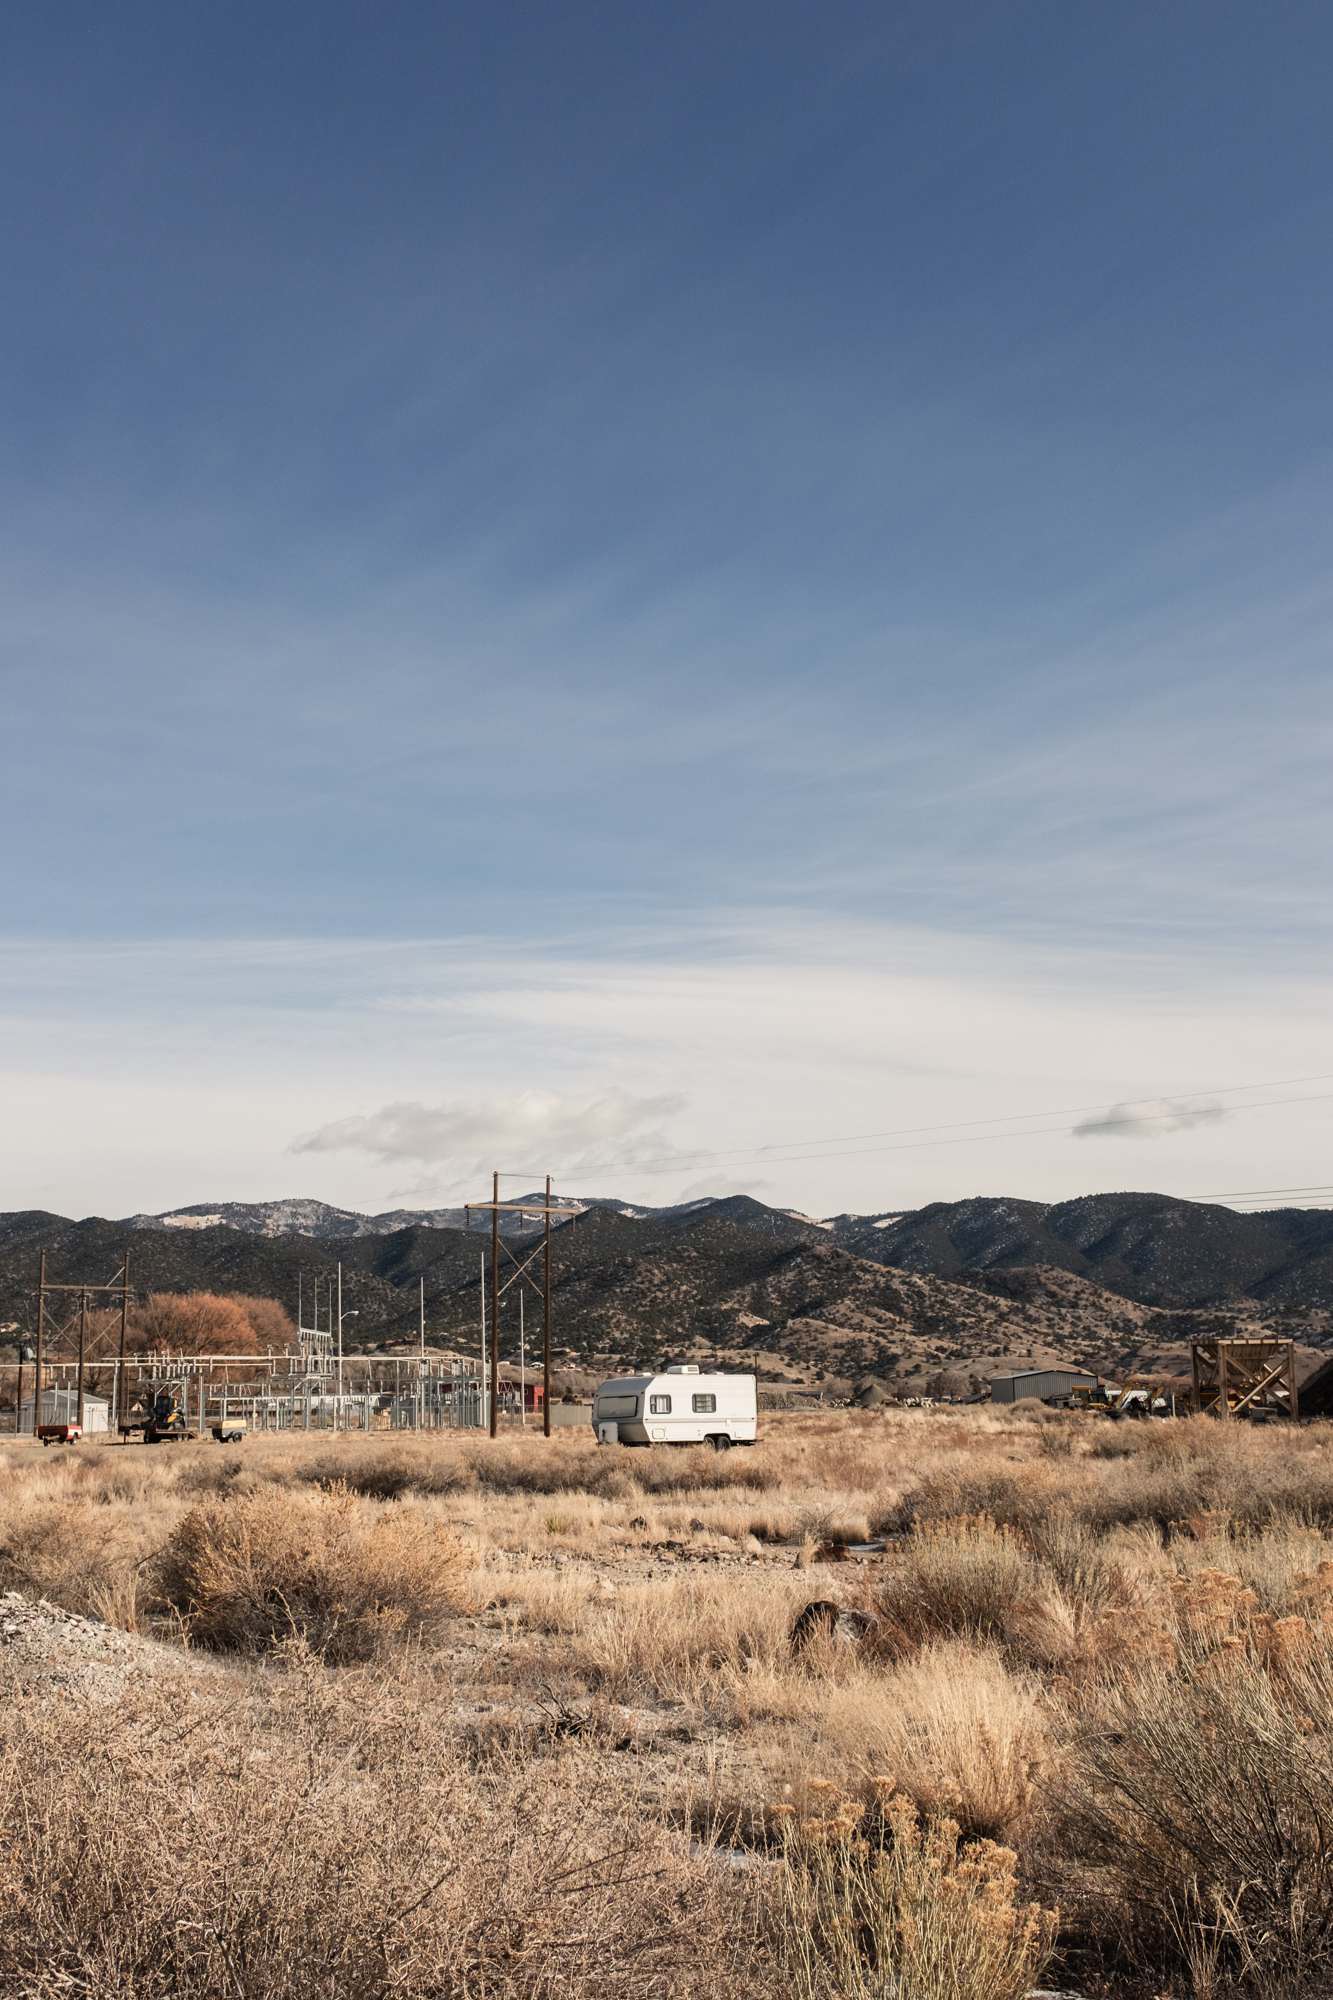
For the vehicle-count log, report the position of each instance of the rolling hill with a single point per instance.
(1155, 1249)
(1150, 1247)
(730, 1277)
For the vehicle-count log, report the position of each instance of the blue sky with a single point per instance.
(661, 579)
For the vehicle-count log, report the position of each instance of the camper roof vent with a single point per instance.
(683, 1368)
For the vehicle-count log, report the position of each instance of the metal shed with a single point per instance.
(61, 1406)
(1044, 1383)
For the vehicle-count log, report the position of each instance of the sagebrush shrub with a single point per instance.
(1201, 1797)
(352, 1578)
(313, 1837)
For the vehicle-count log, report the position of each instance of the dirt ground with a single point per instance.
(1033, 1623)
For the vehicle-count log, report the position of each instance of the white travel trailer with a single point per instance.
(680, 1407)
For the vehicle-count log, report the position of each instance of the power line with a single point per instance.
(783, 1151)
(1036, 1131)
(1239, 1194)
(770, 1156)
(1271, 1207)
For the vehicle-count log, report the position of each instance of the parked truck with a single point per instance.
(679, 1406)
(63, 1433)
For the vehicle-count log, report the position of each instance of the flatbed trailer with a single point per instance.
(152, 1433)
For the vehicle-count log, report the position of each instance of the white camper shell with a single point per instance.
(680, 1407)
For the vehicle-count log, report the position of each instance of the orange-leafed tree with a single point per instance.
(194, 1323)
(270, 1322)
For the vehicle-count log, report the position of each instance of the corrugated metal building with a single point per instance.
(1043, 1383)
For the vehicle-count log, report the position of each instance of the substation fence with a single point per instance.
(273, 1392)
(71, 1366)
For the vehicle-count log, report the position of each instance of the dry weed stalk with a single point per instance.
(885, 1905)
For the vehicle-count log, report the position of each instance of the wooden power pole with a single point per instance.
(521, 1274)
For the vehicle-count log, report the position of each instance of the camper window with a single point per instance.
(704, 1406)
(659, 1406)
(617, 1406)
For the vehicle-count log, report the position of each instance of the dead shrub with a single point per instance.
(1201, 1800)
(699, 1469)
(389, 1474)
(309, 1840)
(1014, 1496)
(872, 1906)
(351, 1579)
(86, 1562)
(1199, 1469)
(558, 1466)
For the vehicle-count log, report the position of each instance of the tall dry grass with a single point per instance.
(959, 1733)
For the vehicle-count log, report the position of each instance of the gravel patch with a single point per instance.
(45, 1647)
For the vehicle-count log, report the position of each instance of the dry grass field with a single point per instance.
(413, 1717)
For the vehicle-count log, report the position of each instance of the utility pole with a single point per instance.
(37, 1357)
(83, 1349)
(481, 1378)
(522, 1368)
(338, 1405)
(421, 1361)
(495, 1305)
(120, 1357)
(546, 1314)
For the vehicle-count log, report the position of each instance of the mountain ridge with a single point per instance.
(1156, 1249)
(731, 1277)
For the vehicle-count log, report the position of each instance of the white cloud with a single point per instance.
(150, 1075)
(465, 1139)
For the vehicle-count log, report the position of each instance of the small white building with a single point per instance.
(61, 1406)
(680, 1406)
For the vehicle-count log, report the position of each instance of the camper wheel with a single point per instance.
(720, 1441)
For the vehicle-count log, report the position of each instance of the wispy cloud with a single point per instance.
(717, 1186)
(691, 1058)
(463, 1140)
(1148, 1120)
